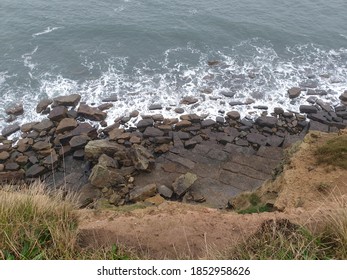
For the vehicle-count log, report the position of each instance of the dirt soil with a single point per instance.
(174, 230)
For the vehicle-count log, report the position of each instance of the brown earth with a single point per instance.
(174, 230)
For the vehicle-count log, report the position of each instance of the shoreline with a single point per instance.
(177, 158)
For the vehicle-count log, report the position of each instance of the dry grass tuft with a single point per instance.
(39, 224)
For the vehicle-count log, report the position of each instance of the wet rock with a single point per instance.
(4, 155)
(35, 171)
(134, 114)
(142, 124)
(44, 125)
(8, 130)
(27, 126)
(294, 92)
(115, 133)
(155, 107)
(179, 110)
(309, 84)
(343, 98)
(91, 113)
(228, 93)
(278, 111)
(153, 132)
(16, 110)
(68, 100)
(66, 125)
(213, 62)
(325, 106)
(111, 98)
(105, 106)
(188, 100)
(316, 92)
(183, 183)
(85, 129)
(266, 121)
(234, 115)
(165, 191)
(158, 118)
(142, 159)
(135, 139)
(94, 149)
(141, 193)
(261, 107)
(78, 142)
(43, 104)
(308, 109)
(236, 103)
(183, 124)
(207, 123)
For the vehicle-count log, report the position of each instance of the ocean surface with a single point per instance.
(156, 51)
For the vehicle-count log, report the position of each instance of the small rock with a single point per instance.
(66, 125)
(207, 123)
(266, 121)
(188, 100)
(234, 115)
(294, 92)
(41, 145)
(8, 130)
(134, 114)
(78, 142)
(111, 98)
(179, 110)
(43, 104)
(343, 97)
(183, 124)
(91, 113)
(139, 194)
(278, 111)
(79, 154)
(141, 158)
(153, 132)
(4, 155)
(165, 191)
(155, 107)
(105, 106)
(142, 124)
(307, 109)
(35, 171)
(44, 125)
(16, 110)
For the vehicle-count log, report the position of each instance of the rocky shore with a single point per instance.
(191, 158)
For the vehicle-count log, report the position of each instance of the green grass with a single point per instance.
(333, 152)
(252, 204)
(36, 225)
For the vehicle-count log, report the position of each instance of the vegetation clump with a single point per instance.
(333, 152)
(36, 224)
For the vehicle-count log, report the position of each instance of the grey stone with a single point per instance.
(165, 191)
(141, 193)
(43, 104)
(294, 92)
(8, 130)
(266, 121)
(307, 109)
(68, 100)
(183, 183)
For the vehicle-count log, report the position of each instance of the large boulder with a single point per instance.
(183, 183)
(142, 193)
(103, 176)
(91, 113)
(68, 100)
(94, 149)
(266, 121)
(141, 158)
(43, 104)
(66, 125)
(294, 92)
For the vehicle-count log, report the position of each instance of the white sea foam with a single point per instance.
(47, 30)
(27, 57)
(258, 73)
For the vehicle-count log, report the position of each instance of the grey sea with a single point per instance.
(157, 51)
